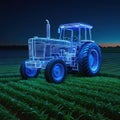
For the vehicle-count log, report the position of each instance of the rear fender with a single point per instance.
(82, 44)
(79, 47)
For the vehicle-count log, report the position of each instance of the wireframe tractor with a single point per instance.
(73, 51)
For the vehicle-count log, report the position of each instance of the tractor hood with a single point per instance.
(49, 41)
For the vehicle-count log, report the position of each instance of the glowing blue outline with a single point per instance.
(66, 49)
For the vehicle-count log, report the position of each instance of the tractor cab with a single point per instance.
(75, 32)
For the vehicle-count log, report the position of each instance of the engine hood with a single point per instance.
(50, 41)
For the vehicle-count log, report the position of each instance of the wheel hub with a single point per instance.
(94, 60)
(58, 71)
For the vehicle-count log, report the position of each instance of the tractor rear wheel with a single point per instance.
(55, 71)
(89, 62)
(28, 72)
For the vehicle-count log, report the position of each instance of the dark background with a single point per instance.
(22, 19)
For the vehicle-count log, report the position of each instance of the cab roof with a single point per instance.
(75, 25)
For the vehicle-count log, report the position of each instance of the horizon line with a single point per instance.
(101, 44)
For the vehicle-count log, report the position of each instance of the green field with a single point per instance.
(77, 98)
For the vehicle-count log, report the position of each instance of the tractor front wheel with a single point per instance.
(55, 71)
(28, 72)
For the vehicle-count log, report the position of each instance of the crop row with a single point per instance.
(82, 98)
(6, 79)
(5, 114)
(78, 90)
(78, 85)
(60, 107)
(109, 99)
(95, 81)
(21, 109)
(7, 69)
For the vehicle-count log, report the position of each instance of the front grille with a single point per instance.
(47, 51)
(39, 48)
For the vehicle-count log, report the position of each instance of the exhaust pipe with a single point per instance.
(47, 29)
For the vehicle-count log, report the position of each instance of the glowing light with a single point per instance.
(70, 50)
(42, 50)
(74, 25)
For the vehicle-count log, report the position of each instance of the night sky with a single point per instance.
(22, 19)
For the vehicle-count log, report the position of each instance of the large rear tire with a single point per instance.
(55, 71)
(28, 72)
(89, 63)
